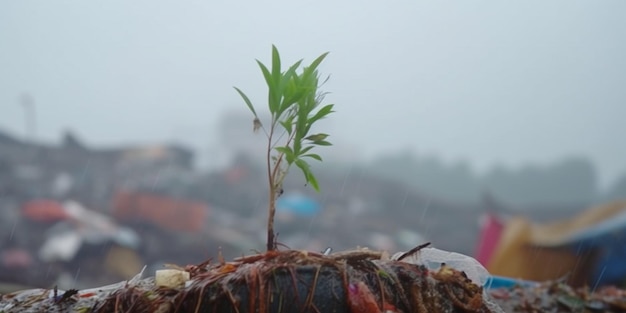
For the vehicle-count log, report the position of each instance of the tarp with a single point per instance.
(593, 222)
(43, 210)
(169, 213)
(589, 248)
(491, 230)
(515, 257)
(297, 204)
(599, 231)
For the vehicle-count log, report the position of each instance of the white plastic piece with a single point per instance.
(171, 278)
(432, 259)
(61, 247)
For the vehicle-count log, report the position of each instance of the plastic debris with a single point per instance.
(171, 278)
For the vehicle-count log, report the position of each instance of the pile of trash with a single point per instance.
(423, 279)
(556, 296)
(360, 280)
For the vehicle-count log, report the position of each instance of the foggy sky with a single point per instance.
(492, 82)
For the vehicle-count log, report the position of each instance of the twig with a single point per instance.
(413, 251)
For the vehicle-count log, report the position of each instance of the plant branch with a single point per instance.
(274, 183)
(292, 99)
(272, 200)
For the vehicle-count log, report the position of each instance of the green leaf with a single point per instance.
(290, 72)
(266, 74)
(290, 87)
(319, 115)
(305, 150)
(317, 137)
(287, 125)
(313, 182)
(304, 166)
(313, 156)
(308, 176)
(311, 70)
(287, 152)
(322, 143)
(299, 91)
(276, 67)
(272, 97)
(246, 100)
(309, 101)
(325, 110)
(303, 116)
(319, 60)
(297, 144)
(289, 93)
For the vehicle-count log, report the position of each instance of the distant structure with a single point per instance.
(89, 174)
(236, 136)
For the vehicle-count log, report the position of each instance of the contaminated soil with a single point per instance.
(278, 281)
(361, 281)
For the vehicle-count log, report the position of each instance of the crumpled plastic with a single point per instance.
(433, 258)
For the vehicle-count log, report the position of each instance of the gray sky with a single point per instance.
(487, 81)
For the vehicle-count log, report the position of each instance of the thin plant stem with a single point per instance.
(272, 203)
(274, 181)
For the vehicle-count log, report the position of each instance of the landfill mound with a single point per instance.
(277, 281)
(301, 281)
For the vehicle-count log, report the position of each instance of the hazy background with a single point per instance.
(482, 82)
(446, 111)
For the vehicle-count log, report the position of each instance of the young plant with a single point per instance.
(294, 103)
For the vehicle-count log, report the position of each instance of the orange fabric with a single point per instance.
(516, 258)
(44, 211)
(169, 213)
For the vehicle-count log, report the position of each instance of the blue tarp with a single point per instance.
(298, 204)
(608, 240)
(495, 282)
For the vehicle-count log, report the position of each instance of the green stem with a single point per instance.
(274, 183)
(272, 193)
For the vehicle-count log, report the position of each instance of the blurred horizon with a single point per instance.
(485, 84)
(124, 144)
(567, 183)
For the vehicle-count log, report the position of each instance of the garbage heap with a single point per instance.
(281, 281)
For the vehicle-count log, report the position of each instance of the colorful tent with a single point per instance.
(589, 248)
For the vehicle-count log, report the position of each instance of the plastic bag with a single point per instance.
(432, 258)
